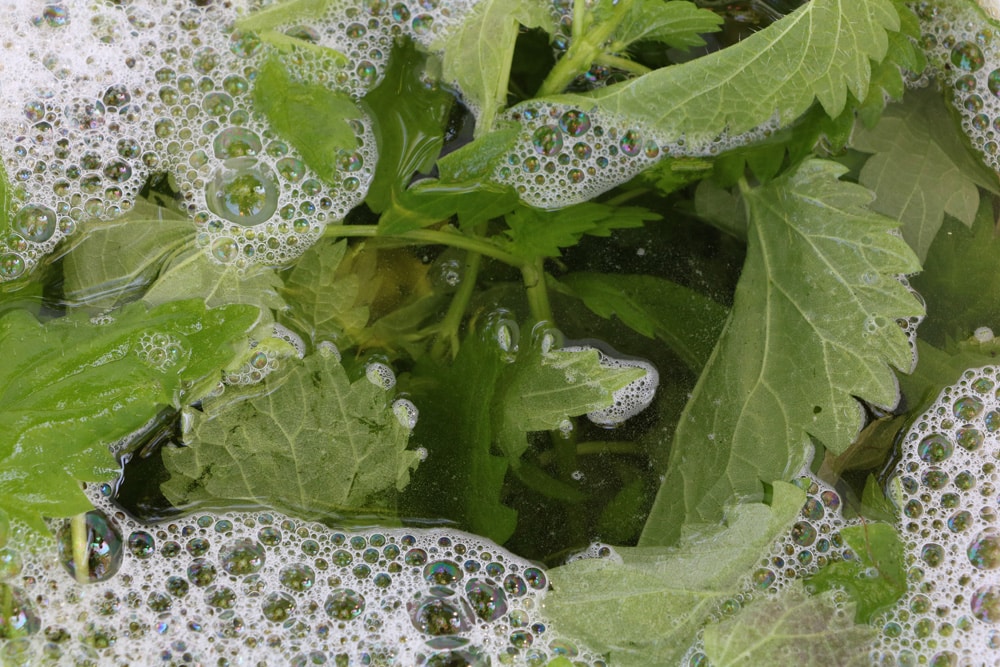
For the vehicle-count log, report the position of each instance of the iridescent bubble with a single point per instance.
(803, 533)
(514, 585)
(201, 572)
(932, 554)
(11, 265)
(217, 104)
(350, 161)
(441, 572)
(220, 597)
(242, 557)
(547, 140)
(205, 59)
(102, 546)
(141, 544)
(582, 150)
(225, 249)
(291, 169)
(10, 563)
(116, 96)
(244, 44)
(985, 603)
(18, 616)
(967, 407)
(117, 171)
(35, 223)
(415, 557)
(630, 143)
(984, 551)
(55, 15)
(400, 12)
(536, 578)
(574, 123)
(277, 607)
(406, 413)
(243, 192)
(438, 617)
(973, 103)
(344, 604)
(993, 82)
(422, 23)
(965, 83)
(763, 578)
(366, 71)
(84, 114)
(967, 56)
(488, 601)
(934, 478)
(297, 577)
(935, 448)
(813, 509)
(236, 142)
(959, 521)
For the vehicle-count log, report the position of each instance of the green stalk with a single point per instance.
(429, 236)
(537, 291)
(447, 341)
(81, 543)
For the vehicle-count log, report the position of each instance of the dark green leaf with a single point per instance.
(535, 233)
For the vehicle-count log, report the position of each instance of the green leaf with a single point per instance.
(324, 293)
(541, 390)
(431, 201)
(309, 442)
(310, 116)
(653, 602)
(283, 12)
(535, 233)
(477, 54)
(937, 369)
(921, 169)
(461, 479)
(675, 23)
(688, 322)
(409, 122)
(791, 628)
(812, 327)
(875, 579)
(823, 51)
(70, 388)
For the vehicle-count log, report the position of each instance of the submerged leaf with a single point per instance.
(676, 23)
(791, 628)
(536, 233)
(812, 327)
(647, 608)
(70, 388)
(310, 442)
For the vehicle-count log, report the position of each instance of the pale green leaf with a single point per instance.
(323, 297)
(477, 54)
(920, 169)
(70, 388)
(683, 319)
(674, 22)
(310, 442)
(790, 629)
(812, 327)
(648, 608)
(823, 51)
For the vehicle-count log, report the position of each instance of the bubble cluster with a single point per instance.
(631, 399)
(161, 351)
(101, 96)
(238, 588)
(963, 54)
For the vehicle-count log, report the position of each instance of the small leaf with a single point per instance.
(534, 233)
(310, 442)
(675, 23)
(791, 628)
(813, 326)
(683, 319)
(875, 579)
(647, 608)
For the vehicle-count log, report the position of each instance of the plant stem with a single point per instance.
(537, 291)
(429, 236)
(623, 64)
(447, 340)
(81, 542)
(592, 447)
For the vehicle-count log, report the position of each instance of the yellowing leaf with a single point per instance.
(310, 442)
(812, 327)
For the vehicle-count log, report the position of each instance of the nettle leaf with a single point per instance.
(535, 233)
(477, 54)
(70, 388)
(688, 322)
(310, 442)
(324, 293)
(812, 327)
(541, 390)
(648, 608)
(791, 628)
(878, 550)
(310, 116)
(823, 51)
(462, 478)
(675, 23)
(920, 169)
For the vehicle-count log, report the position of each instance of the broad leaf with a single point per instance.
(790, 629)
(675, 23)
(70, 388)
(921, 169)
(534, 233)
(876, 578)
(812, 327)
(310, 442)
(821, 51)
(477, 54)
(647, 608)
(685, 320)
